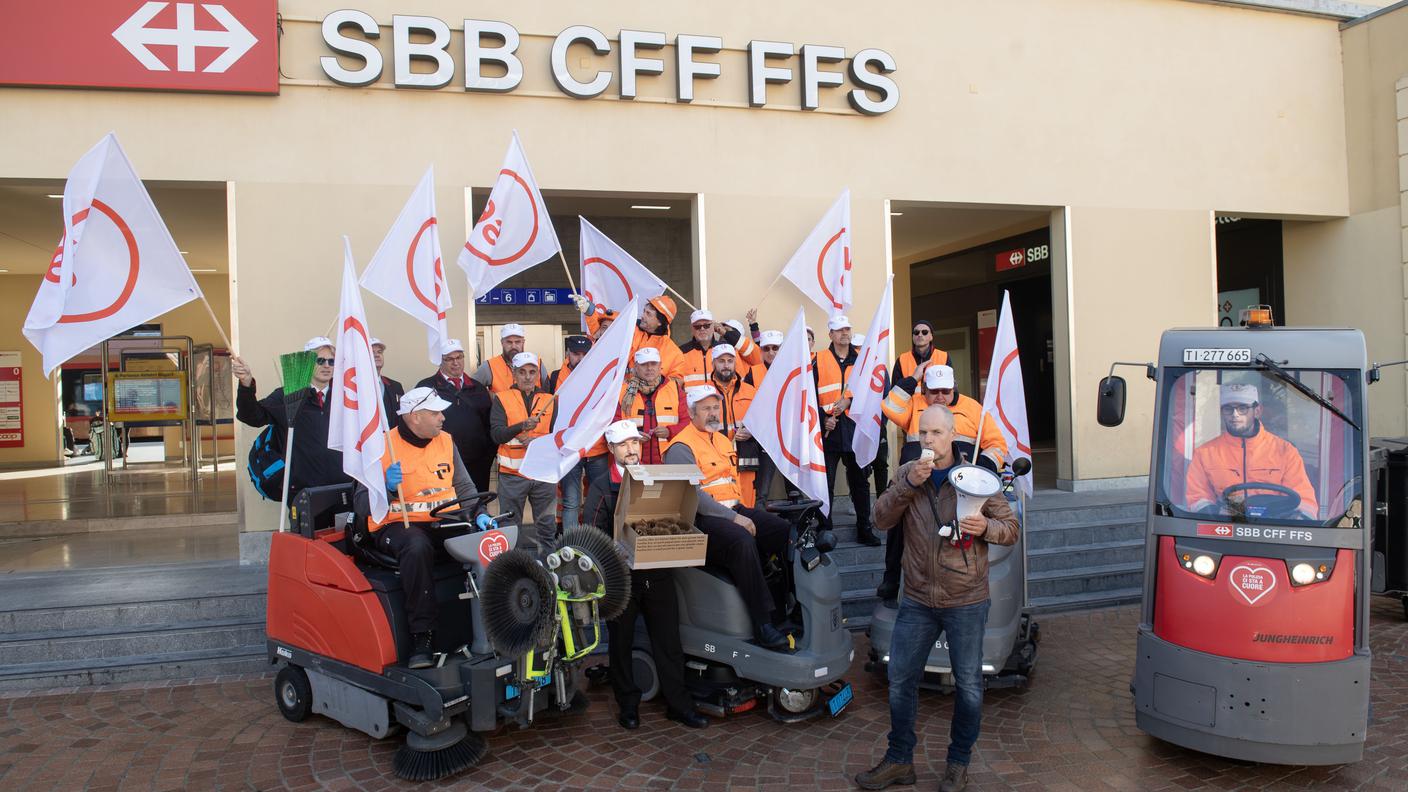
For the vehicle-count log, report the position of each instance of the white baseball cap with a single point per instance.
(510, 330)
(936, 377)
(525, 359)
(719, 350)
(450, 345)
(318, 342)
(736, 325)
(857, 339)
(622, 431)
(698, 393)
(376, 342)
(701, 315)
(647, 355)
(422, 398)
(1239, 394)
(838, 322)
(770, 338)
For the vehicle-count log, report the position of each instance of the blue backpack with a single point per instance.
(266, 463)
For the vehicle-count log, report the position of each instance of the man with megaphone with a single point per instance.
(949, 512)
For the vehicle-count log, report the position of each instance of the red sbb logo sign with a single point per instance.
(225, 46)
(1011, 259)
(1221, 531)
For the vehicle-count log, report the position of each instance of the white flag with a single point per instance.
(821, 267)
(407, 271)
(783, 418)
(514, 232)
(611, 277)
(586, 404)
(116, 265)
(1005, 399)
(358, 422)
(867, 381)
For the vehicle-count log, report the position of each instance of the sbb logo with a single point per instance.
(1021, 257)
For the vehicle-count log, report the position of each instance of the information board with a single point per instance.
(147, 396)
(11, 401)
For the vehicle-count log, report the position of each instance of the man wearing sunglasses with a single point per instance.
(1245, 452)
(921, 352)
(313, 463)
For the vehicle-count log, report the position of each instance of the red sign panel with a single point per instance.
(1011, 259)
(224, 46)
(11, 401)
(1220, 530)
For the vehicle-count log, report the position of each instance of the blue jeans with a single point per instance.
(916, 630)
(572, 488)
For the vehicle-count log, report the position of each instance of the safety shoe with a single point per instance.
(867, 537)
(691, 719)
(955, 778)
(769, 637)
(629, 718)
(422, 655)
(886, 774)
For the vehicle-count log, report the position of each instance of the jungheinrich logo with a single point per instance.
(1287, 638)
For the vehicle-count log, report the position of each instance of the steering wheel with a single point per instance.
(1279, 502)
(460, 506)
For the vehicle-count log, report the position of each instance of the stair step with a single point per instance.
(244, 659)
(132, 615)
(1107, 577)
(859, 576)
(1085, 556)
(1093, 532)
(99, 645)
(848, 554)
(1084, 515)
(1092, 599)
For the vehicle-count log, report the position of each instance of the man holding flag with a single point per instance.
(833, 367)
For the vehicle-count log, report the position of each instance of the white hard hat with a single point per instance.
(525, 359)
(622, 431)
(701, 315)
(719, 350)
(647, 355)
(770, 338)
(1239, 394)
(936, 377)
(450, 345)
(376, 342)
(318, 342)
(736, 325)
(510, 330)
(838, 322)
(698, 393)
(422, 398)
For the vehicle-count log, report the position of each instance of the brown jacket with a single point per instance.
(950, 576)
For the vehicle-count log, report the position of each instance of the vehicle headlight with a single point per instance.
(1205, 566)
(1302, 574)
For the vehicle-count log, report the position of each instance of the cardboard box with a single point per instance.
(660, 491)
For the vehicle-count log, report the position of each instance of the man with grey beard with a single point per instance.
(739, 537)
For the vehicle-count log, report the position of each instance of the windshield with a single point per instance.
(1244, 445)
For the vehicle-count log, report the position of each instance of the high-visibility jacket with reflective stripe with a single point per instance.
(831, 378)
(515, 412)
(699, 364)
(714, 454)
(666, 412)
(427, 477)
(738, 395)
(907, 363)
(503, 375)
(755, 375)
(904, 409)
(599, 447)
(1227, 459)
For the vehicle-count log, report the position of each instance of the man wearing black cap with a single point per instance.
(594, 459)
(921, 352)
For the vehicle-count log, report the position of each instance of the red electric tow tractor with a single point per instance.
(1253, 638)
(510, 628)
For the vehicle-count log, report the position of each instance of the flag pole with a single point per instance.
(691, 305)
(978, 439)
(391, 449)
(768, 290)
(566, 269)
(218, 328)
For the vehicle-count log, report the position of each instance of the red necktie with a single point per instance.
(318, 398)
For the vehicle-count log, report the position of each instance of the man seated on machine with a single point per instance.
(1246, 452)
(428, 472)
(652, 596)
(739, 537)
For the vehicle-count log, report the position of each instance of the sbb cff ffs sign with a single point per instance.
(224, 46)
(1021, 257)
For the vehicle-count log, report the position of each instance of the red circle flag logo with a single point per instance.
(517, 232)
(134, 265)
(806, 417)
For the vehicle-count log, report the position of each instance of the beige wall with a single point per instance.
(1118, 104)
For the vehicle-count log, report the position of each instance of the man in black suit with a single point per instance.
(467, 417)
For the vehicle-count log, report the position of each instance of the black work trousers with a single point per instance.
(894, 542)
(653, 596)
(731, 547)
(414, 550)
(856, 480)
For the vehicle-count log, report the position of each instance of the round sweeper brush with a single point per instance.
(602, 551)
(518, 603)
(440, 755)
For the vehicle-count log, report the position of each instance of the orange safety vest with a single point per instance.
(667, 409)
(714, 454)
(699, 363)
(905, 409)
(830, 379)
(672, 363)
(909, 364)
(1227, 459)
(503, 375)
(736, 401)
(427, 477)
(516, 411)
(755, 375)
(599, 447)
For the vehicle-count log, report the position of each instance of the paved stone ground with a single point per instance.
(1072, 729)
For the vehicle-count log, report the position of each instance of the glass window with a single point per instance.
(1244, 445)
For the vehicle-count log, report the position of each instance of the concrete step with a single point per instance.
(1087, 555)
(861, 576)
(858, 604)
(1090, 579)
(132, 614)
(848, 554)
(1091, 599)
(1039, 517)
(44, 528)
(104, 644)
(245, 659)
(1092, 532)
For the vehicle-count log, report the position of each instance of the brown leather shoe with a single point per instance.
(886, 774)
(955, 778)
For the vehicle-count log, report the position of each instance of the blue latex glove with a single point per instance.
(485, 522)
(393, 477)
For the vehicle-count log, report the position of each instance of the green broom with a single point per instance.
(296, 368)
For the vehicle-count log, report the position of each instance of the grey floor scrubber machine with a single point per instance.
(1010, 641)
(511, 629)
(726, 671)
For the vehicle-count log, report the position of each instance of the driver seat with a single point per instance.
(359, 537)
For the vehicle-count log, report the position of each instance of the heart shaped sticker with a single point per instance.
(1252, 581)
(493, 545)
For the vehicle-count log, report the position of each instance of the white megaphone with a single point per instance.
(974, 486)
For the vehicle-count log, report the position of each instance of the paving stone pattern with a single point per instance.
(1072, 729)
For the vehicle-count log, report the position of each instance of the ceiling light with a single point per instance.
(202, 270)
(184, 252)
(52, 195)
(648, 206)
(4, 270)
(896, 214)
